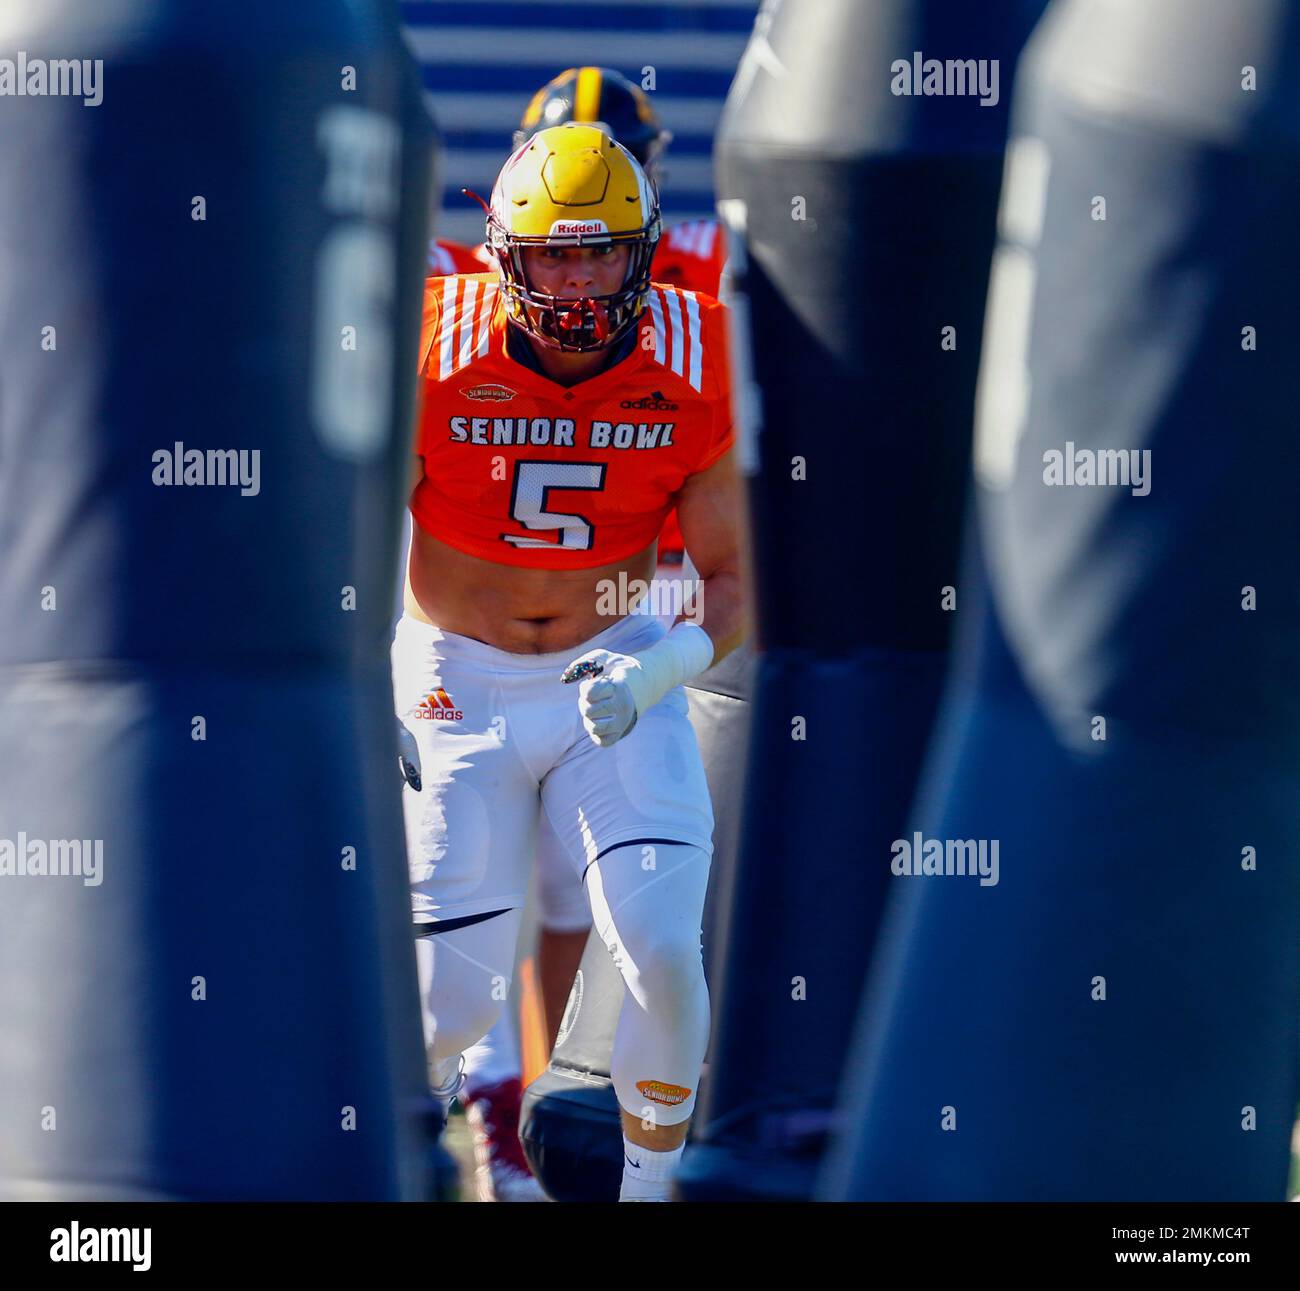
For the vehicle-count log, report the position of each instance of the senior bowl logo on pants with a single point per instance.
(658, 1092)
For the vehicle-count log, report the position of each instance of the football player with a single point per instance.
(529, 687)
(690, 255)
(491, 1091)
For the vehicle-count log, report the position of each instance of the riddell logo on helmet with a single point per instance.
(573, 228)
(651, 403)
(437, 706)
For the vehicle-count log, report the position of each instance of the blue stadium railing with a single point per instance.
(481, 61)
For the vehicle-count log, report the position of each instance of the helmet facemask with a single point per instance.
(578, 324)
(570, 187)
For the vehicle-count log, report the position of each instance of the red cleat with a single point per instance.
(502, 1173)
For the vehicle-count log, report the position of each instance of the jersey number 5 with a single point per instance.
(528, 496)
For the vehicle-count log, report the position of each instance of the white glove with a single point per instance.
(408, 757)
(615, 689)
(606, 699)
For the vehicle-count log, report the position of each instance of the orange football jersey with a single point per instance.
(522, 471)
(691, 256)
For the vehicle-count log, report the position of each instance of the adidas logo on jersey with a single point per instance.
(651, 403)
(437, 706)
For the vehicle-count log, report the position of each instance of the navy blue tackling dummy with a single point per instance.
(211, 247)
(1116, 1016)
(865, 193)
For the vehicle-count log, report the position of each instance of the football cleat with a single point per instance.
(501, 1172)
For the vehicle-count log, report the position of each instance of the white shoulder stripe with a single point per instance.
(657, 314)
(465, 330)
(447, 336)
(697, 341)
(468, 317)
(485, 317)
(678, 331)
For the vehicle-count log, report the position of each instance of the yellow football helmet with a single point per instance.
(571, 186)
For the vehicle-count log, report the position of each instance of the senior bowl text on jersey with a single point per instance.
(588, 488)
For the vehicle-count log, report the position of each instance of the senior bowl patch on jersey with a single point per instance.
(489, 393)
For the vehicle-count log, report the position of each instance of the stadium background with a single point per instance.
(481, 62)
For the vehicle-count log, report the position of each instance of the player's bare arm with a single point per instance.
(617, 689)
(710, 515)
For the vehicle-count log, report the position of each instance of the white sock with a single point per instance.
(647, 1175)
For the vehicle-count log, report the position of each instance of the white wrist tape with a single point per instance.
(684, 653)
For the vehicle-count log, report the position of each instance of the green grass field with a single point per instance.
(1294, 1189)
